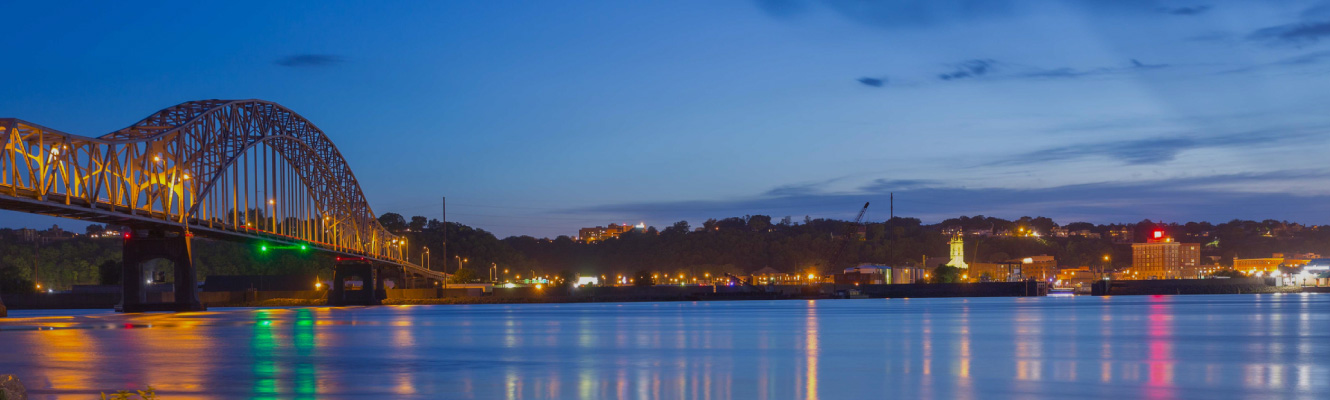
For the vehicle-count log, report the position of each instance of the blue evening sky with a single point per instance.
(541, 117)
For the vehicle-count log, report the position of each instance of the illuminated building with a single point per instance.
(1272, 264)
(1162, 258)
(1198, 271)
(1041, 267)
(995, 272)
(1249, 265)
(1077, 276)
(958, 252)
(602, 233)
(871, 274)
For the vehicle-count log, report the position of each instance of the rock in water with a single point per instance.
(12, 389)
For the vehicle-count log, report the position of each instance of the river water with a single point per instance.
(1123, 347)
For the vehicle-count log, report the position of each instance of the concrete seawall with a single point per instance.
(37, 301)
(1191, 286)
(985, 289)
(104, 299)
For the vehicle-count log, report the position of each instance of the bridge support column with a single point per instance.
(369, 293)
(143, 246)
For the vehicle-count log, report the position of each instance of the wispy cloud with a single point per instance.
(1135, 66)
(1185, 11)
(893, 14)
(1295, 34)
(800, 189)
(1189, 198)
(969, 69)
(309, 60)
(993, 69)
(874, 82)
(794, 189)
(1152, 150)
(886, 185)
(899, 14)
(1319, 11)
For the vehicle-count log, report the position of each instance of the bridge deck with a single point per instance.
(58, 205)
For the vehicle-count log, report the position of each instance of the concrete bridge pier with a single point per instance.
(347, 275)
(141, 246)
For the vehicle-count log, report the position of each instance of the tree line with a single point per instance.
(736, 245)
(741, 245)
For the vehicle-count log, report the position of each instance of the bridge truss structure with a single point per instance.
(248, 170)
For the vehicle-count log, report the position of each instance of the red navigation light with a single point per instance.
(1159, 233)
(126, 235)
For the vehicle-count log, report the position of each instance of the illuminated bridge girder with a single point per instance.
(226, 169)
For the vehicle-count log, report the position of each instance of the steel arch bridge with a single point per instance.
(224, 169)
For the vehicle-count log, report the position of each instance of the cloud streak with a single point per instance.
(1157, 150)
(874, 82)
(1295, 34)
(904, 14)
(993, 69)
(1186, 11)
(309, 60)
(969, 69)
(1179, 199)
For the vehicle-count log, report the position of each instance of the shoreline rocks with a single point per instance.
(12, 389)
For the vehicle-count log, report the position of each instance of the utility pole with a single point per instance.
(36, 247)
(443, 203)
(891, 215)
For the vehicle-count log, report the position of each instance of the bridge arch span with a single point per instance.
(225, 168)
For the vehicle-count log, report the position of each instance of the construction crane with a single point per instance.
(856, 229)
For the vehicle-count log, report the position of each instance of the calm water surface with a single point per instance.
(1165, 347)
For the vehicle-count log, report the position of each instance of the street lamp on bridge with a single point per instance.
(272, 215)
(460, 260)
(424, 258)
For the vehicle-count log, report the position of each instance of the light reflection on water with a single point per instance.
(1164, 347)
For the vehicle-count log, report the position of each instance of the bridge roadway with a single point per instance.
(237, 170)
(54, 207)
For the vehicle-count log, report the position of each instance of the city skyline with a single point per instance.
(543, 120)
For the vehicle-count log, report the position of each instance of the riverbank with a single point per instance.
(625, 294)
(11, 388)
(1195, 286)
(106, 299)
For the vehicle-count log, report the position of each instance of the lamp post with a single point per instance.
(1103, 267)
(494, 272)
(424, 258)
(272, 215)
